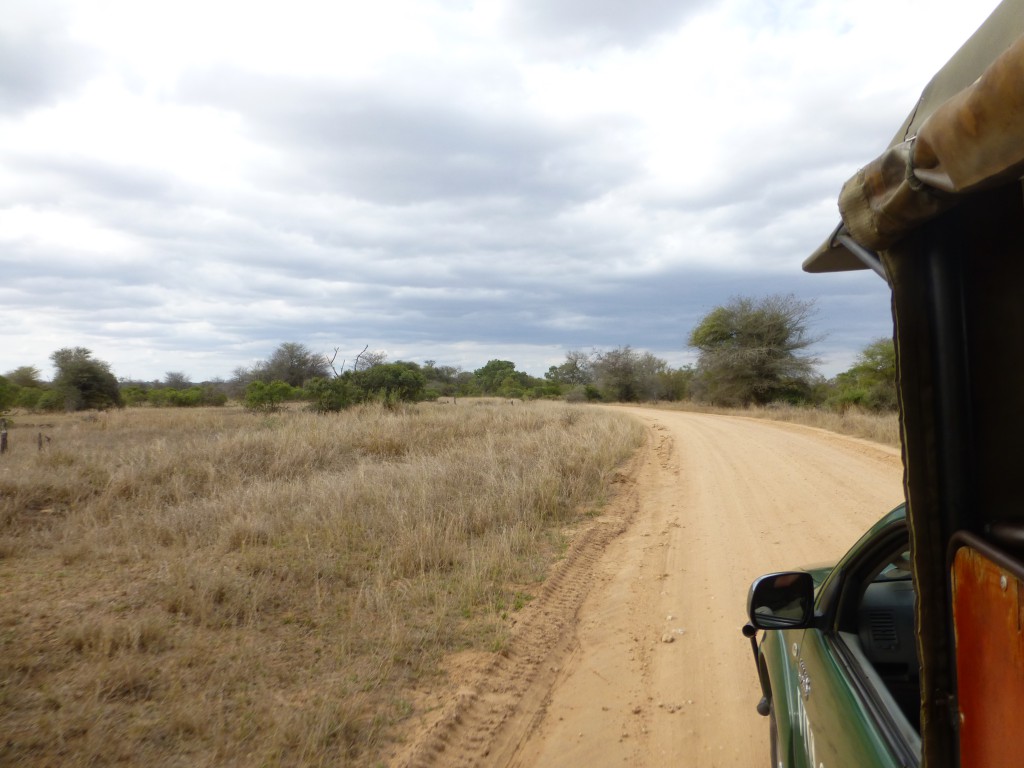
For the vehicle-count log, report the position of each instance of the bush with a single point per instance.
(544, 392)
(8, 394)
(51, 400)
(135, 395)
(576, 395)
(170, 397)
(330, 395)
(28, 397)
(260, 396)
(399, 381)
(213, 395)
(871, 382)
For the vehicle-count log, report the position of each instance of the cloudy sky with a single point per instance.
(184, 185)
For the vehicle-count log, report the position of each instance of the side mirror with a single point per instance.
(782, 601)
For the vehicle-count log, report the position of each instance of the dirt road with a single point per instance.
(632, 654)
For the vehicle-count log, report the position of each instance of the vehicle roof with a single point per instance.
(999, 33)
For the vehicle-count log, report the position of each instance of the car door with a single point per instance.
(838, 727)
(861, 651)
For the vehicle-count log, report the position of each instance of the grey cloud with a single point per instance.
(38, 63)
(432, 212)
(572, 27)
(661, 311)
(798, 166)
(88, 178)
(654, 312)
(401, 147)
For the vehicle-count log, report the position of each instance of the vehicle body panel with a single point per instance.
(823, 713)
(841, 733)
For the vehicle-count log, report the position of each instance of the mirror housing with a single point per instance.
(782, 601)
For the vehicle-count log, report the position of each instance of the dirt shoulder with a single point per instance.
(632, 653)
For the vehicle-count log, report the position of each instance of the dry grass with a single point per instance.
(211, 587)
(879, 427)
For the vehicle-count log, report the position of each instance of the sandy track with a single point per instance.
(632, 654)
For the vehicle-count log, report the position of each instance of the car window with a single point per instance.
(875, 623)
(896, 568)
(885, 630)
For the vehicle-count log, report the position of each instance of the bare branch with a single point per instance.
(330, 361)
(355, 364)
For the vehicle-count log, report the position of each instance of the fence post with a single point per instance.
(3, 435)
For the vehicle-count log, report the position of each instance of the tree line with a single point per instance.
(749, 352)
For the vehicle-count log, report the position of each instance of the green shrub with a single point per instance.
(51, 400)
(213, 395)
(871, 382)
(134, 395)
(330, 395)
(169, 397)
(8, 393)
(400, 381)
(28, 397)
(261, 396)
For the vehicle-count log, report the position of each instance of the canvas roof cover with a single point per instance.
(965, 134)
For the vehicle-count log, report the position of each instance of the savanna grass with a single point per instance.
(211, 587)
(881, 428)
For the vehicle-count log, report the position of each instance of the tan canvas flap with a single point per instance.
(973, 141)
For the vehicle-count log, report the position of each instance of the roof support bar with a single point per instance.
(868, 258)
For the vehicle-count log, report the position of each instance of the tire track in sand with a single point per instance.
(631, 654)
(501, 700)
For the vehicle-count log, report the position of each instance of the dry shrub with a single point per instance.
(878, 427)
(108, 636)
(126, 680)
(243, 532)
(328, 725)
(211, 587)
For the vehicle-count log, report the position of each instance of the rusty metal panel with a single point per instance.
(988, 619)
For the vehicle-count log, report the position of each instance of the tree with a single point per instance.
(577, 370)
(871, 381)
(292, 363)
(24, 388)
(753, 351)
(176, 380)
(26, 376)
(676, 383)
(491, 376)
(82, 382)
(465, 383)
(627, 375)
(442, 380)
(365, 360)
(241, 377)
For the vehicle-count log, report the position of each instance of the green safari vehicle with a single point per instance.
(838, 662)
(870, 663)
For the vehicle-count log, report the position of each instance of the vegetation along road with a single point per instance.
(632, 654)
